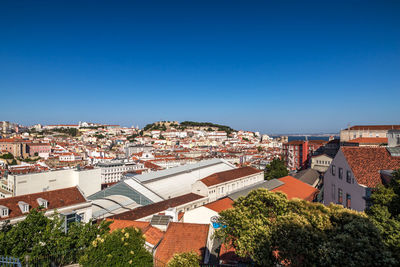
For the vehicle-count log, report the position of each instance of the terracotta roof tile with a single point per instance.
(374, 127)
(56, 199)
(225, 176)
(295, 188)
(366, 162)
(154, 208)
(153, 235)
(182, 237)
(370, 140)
(220, 205)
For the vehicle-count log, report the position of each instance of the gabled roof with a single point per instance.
(225, 176)
(367, 162)
(295, 188)
(55, 199)
(154, 208)
(220, 205)
(182, 237)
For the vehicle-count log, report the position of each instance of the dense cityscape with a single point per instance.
(178, 181)
(222, 133)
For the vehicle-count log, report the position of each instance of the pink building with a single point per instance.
(35, 149)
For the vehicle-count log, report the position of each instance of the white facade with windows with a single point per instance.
(220, 190)
(340, 186)
(114, 171)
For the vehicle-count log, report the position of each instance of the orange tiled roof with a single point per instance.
(220, 205)
(370, 140)
(56, 199)
(374, 127)
(153, 235)
(154, 208)
(366, 162)
(182, 237)
(295, 188)
(225, 176)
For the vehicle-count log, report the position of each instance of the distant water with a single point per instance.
(309, 137)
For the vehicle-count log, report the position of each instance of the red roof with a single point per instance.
(153, 235)
(182, 237)
(370, 140)
(220, 205)
(225, 176)
(366, 162)
(154, 208)
(374, 127)
(56, 199)
(295, 188)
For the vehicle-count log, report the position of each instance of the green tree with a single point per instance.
(120, 248)
(40, 238)
(270, 229)
(7, 156)
(276, 169)
(385, 213)
(185, 259)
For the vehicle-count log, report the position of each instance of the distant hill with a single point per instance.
(206, 126)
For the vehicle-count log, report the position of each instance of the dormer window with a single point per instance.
(42, 202)
(3, 211)
(23, 206)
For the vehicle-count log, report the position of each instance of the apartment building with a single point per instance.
(113, 171)
(356, 171)
(296, 154)
(17, 147)
(357, 131)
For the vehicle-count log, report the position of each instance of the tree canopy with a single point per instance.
(385, 212)
(40, 237)
(276, 169)
(185, 259)
(122, 247)
(270, 230)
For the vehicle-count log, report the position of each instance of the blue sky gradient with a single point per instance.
(270, 66)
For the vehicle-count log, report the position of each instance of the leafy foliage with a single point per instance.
(185, 259)
(224, 128)
(276, 169)
(7, 156)
(39, 238)
(385, 213)
(69, 131)
(271, 230)
(120, 248)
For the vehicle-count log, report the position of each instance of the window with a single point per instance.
(340, 196)
(348, 201)
(348, 177)
(82, 216)
(4, 212)
(333, 170)
(340, 173)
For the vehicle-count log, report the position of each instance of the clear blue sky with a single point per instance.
(271, 66)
